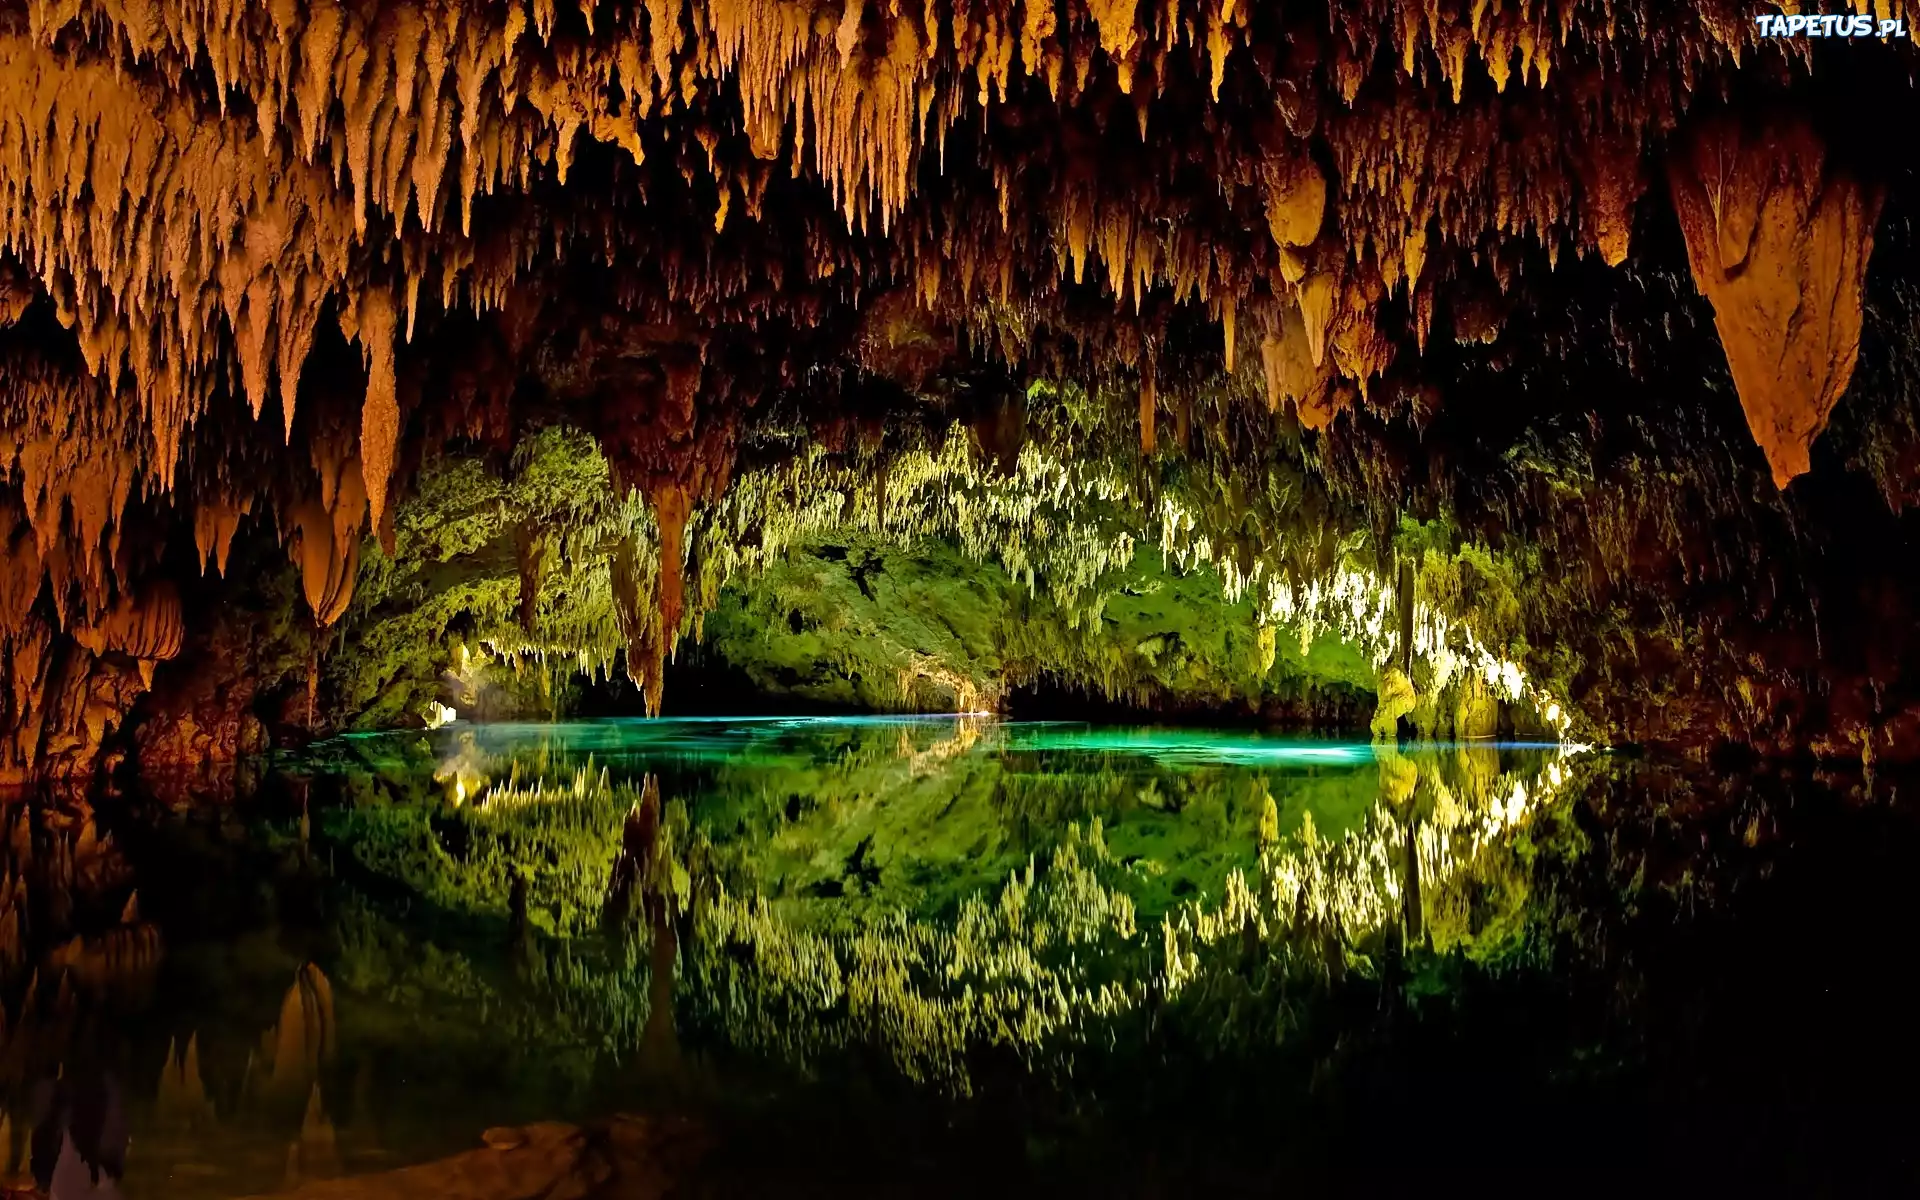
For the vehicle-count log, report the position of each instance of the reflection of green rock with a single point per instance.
(1478, 771)
(926, 889)
(1398, 775)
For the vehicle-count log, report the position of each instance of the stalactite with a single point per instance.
(215, 521)
(326, 531)
(1779, 245)
(151, 628)
(1294, 373)
(380, 411)
(671, 505)
(189, 241)
(639, 622)
(1149, 411)
(656, 215)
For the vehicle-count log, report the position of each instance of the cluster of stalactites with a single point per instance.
(190, 255)
(70, 459)
(384, 95)
(63, 689)
(194, 242)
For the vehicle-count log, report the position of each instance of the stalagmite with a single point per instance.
(1779, 245)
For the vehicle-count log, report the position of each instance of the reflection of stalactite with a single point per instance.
(11, 1166)
(1413, 921)
(639, 845)
(183, 1101)
(642, 886)
(1054, 956)
(119, 959)
(1399, 775)
(315, 1153)
(302, 1041)
(659, 1054)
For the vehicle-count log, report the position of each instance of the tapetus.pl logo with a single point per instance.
(1830, 25)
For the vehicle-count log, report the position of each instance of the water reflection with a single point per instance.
(936, 890)
(1053, 947)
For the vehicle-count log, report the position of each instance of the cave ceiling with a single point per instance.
(259, 261)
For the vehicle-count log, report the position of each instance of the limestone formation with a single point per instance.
(1779, 244)
(260, 262)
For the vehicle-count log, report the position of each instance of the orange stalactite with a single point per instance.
(152, 627)
(326, 530)
(380, 410)
(215, 521)
(1779, 246)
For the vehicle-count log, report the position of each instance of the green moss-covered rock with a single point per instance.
(858, 623)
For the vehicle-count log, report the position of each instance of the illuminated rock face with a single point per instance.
(1779, 244)
(407, 223)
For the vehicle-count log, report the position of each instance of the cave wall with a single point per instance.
(1560, 275)
(864, 625)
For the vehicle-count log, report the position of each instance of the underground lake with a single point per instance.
(934, 955)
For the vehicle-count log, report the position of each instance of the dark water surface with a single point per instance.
(954, 956)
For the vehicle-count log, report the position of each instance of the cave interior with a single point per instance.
(1442, 475)
(1541, 369)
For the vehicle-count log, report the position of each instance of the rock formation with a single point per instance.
(1779, 245)
(260, 263)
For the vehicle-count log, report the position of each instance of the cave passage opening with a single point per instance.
(1071, 576)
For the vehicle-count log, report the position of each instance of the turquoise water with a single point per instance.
(936, 807)
(991, 955)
